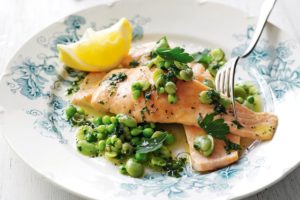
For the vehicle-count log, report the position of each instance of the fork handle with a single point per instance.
(265, 11)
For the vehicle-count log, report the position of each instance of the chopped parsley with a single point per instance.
(216, 101)
(217, 129)
(174, 167)
(77, 76)
(134, 63)
(117, 78)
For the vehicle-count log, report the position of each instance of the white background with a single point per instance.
(20, 19)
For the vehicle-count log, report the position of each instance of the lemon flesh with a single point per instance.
(98, 50)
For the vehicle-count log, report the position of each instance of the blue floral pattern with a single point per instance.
(32, 79)
(156, 184)
(273, 63)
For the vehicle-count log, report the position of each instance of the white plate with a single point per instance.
(32, 95)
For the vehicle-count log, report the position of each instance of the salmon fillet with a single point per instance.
(218, 159)
(118, 99)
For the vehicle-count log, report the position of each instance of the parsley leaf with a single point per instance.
(203, 57)
(176, 54)
(217, 129)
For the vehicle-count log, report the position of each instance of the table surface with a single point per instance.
(18, 21)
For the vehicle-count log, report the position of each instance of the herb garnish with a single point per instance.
(174, 167)
(134, 63)
(152, 144)
(78, 78)
(174, 54)
(216, 101)
(117, 78)
(203, 57)
(217, 129)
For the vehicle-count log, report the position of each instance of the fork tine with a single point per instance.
(217, 81)
(227, 81)
(232, 86)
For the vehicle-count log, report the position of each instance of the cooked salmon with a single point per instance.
(102, 95)
(218, 159)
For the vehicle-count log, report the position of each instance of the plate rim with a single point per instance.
(108, 4)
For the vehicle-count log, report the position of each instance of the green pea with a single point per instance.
(106, 119)
(158, 162)
(127, 120)
(112, 154)
(90, 137)
(250, 99)
(157, 134)
(134, 168)
(87, 149)
(209, 83)
(239, 91)
(172, 98)
(70, 111)
(126, 148)
(164, 152)
(240, 100)
(204, 144)
(252, 90)
(80, 111)
(180, 65)
(161, 90)
(122, 169)
(135, 131)
(141, 157)
(117, 145)
(101, 136)
(170, 87)
(135, 141)
(136, 94)
(114, 120)
(113, 139)
(170, 139)
(217, 54)
(97, 121)
(82, 131)
(204, 97)
(101, 145)
(167, 64)
(186, 74)
(136, 86)
(101, 129)
(110, 128)
(148, 132)
(108, 141)
(225, 102)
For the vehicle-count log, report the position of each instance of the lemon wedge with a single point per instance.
(98, 50)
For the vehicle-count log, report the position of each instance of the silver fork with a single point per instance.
(224, 80)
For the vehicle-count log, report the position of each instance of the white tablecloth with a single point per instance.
(21, 19)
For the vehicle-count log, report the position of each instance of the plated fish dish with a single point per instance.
(137, 106)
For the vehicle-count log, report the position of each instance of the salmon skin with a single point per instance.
(103, 96)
